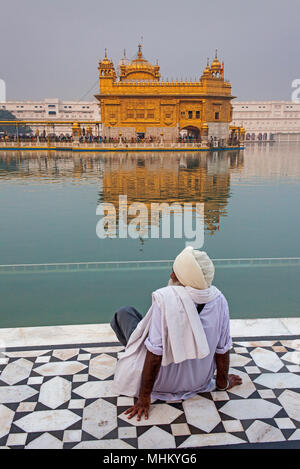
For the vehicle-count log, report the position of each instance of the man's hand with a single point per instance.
(150, 372)
(222, 362)
(142, 406)
(234, 380)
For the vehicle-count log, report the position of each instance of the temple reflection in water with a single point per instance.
(143, 177)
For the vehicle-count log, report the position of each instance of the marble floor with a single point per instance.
(55, 392)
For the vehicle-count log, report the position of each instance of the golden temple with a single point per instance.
(134, 102)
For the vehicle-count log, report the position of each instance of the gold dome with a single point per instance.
(206, 71)
(215, 63)
(140, 68)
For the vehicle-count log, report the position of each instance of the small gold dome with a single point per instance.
(215, 63)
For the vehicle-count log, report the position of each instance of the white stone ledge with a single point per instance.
(99, 333)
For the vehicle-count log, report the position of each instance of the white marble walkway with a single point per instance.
(55, 392)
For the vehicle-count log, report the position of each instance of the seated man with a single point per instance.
(173, 352)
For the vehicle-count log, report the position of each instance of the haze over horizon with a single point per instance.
(52, 48)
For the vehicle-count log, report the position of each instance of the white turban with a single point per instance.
(194, 268)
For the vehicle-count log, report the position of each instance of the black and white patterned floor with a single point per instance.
(60, 397)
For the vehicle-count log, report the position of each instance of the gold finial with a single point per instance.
(216, 56)
(140, 50)
(105, 55)
(207, 61)
(124, 53)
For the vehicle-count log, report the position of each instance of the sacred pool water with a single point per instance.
(56, 270)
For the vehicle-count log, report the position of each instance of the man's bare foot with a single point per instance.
(234, 380)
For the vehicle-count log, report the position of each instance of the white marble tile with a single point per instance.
(232, 426)
(266, 394)
(293, 368)
(292, 324)
(43, 359)
(212, 439)
(158, 414)
(60, 368)
(220, 396)
(84, 356)
(6, 418)
(3, 361)
(290, 400)
(261, 432)
(240, 350)
(259, 343)
(45, 441)
(99, 418)
(112, 349)
(292, 343)
(57, 335)
(156, 438)
(65, 354)
(180, 429)
(16, 371)
(252, 370)
(295, 435)
(279, 380)
(93, 389)
(81, 378)
(55, 392)
(201, 413)
(104, 444)
(26, 353)
(246, 388)
(35, 380)
(102, 366)
(284, 423)
(127, 432)
(47, 420)
(123, 400)
(76, 404)
(266, 359)
(16, 439)
(258, 327)
(293, 357)
(10, 394)
(26, 407)
(243, 409)
(238, 360)
(72, 435)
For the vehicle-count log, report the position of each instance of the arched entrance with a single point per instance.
(190, 133)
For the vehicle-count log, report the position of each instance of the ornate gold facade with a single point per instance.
(133, 101)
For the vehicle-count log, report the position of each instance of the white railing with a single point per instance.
(142, 265)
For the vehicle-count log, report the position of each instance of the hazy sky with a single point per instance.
(51, 48)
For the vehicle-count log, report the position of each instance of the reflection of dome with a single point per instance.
(139, 68)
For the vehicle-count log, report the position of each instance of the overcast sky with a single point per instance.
(51, 48)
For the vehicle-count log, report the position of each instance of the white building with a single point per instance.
(268, 120)
(262, 120)
(2, 90)
(54, 110)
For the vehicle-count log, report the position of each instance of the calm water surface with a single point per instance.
(48, 215)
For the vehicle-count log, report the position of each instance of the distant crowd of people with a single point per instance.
(65, 138)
